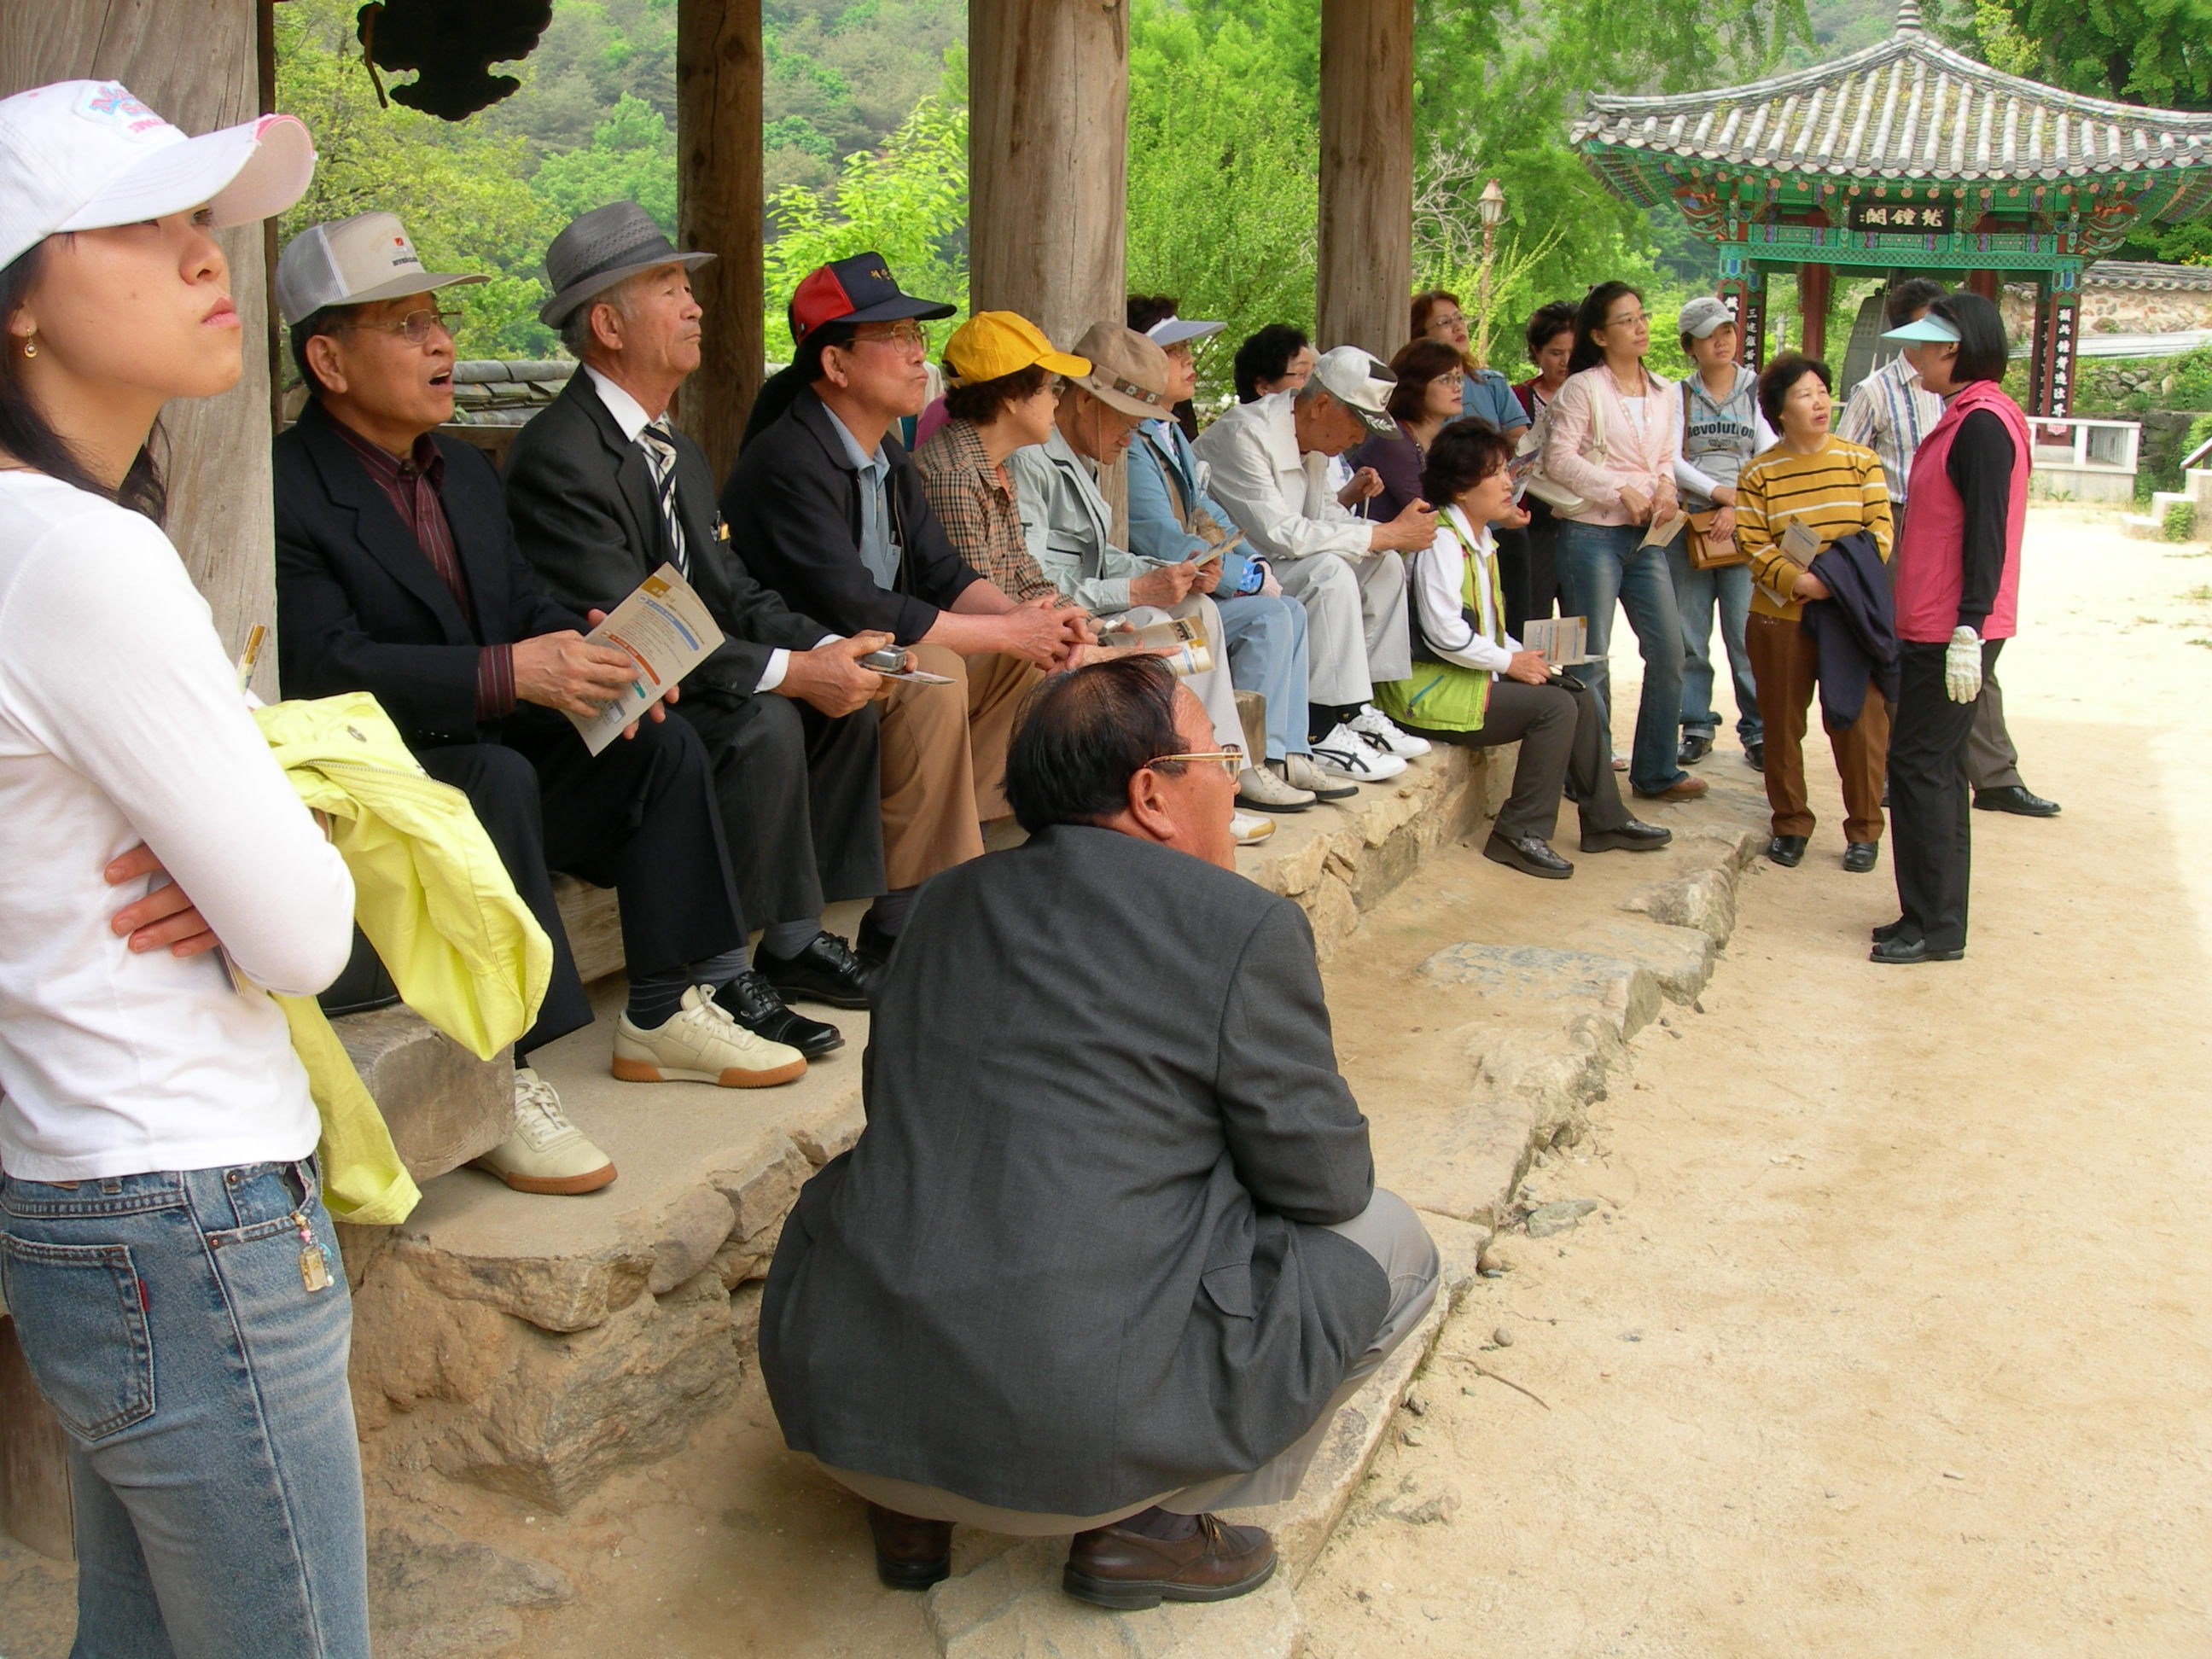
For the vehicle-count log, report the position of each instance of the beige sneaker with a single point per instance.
(546, 1153)
(702, 1044)
(1258, 787)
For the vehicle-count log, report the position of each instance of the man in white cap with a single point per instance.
(1067, 525)
(1172, 518)
(1270, 460)
(398, 573)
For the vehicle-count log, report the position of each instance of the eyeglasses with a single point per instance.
(1229, 760)
(415, 328)
(1628, 321)
(907, 336)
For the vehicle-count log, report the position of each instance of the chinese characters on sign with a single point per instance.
(2058, 393)
(1899, 216)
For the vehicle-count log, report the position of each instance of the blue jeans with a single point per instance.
(1600, 563)
(1267, 643)
(213, 1461)
(1697, 593)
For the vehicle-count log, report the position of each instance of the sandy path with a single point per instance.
(1890, 1337)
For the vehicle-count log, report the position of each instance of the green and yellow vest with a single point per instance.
(1444, 697)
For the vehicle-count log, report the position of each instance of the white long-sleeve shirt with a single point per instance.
(1439, 597)
(1283, 501)
(121, 722)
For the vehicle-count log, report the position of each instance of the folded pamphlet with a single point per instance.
(1663, 531)
(665, 629)
(1565, 640)
(1180, 639)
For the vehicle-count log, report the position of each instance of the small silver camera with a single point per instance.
(892, 660)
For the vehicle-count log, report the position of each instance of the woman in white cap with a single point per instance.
(172, 1273)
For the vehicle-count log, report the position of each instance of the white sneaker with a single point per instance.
(702, 1044)
(1250, 828)
(1258, 786)
(546, 1153)
(1377, 727)
(1345, 754)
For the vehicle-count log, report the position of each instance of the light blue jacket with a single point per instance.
(1160, 460)
(1487, 395)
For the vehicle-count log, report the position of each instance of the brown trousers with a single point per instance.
(1782, 661)
(945, 759)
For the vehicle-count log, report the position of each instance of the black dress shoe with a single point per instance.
(1531, 854)
(872, 945)
(1633, 836)
(1859, 856)
(2016, 798)
(1894, 952)
(911, 1553)
(1694, 748)
(1887, 931)
(1788, 851)
(825, 971)
(751, 1001)
(1755, 757)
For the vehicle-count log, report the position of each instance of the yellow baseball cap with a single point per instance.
(993, 344)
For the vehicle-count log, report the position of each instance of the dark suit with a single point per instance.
(799, 790)
(1078, 1257)
(360, 607)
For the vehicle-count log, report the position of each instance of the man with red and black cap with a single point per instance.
(825, 507)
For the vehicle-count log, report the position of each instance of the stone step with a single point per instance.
(2141, 526)
(2196, 483)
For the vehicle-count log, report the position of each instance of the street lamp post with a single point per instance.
(1490, 205)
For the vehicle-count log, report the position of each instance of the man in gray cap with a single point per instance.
(1270, 459)
(604, 491)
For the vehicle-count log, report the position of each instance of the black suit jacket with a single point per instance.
(793, 506)
(588, 515)
(359, 607)
(1070, 1262)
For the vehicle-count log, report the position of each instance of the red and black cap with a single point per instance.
(861, 289)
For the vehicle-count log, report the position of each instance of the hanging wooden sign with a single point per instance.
(1922, 217)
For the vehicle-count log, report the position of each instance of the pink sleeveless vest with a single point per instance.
(1929, 568)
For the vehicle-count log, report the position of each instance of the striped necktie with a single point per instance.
(660, 445)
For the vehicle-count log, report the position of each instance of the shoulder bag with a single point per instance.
(1698, 543)
(1563, 499)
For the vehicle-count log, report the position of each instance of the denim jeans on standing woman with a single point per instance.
(213, 1462)
(1600, 563)
(1697, 594)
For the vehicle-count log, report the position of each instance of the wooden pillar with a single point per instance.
(720, 204)
(1814, 288)
(2038, 352)
(1990, 284)
(196, 63)
(1048, 160)
(1366, 224)
(2056, 317)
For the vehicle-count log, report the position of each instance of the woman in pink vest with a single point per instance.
(1958, 582)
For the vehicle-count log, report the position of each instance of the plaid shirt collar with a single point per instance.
(422, 461)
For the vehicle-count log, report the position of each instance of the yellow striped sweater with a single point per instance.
(1833, 492)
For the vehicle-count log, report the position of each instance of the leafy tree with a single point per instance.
(632, 154)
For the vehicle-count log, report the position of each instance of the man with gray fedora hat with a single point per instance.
(604, 491)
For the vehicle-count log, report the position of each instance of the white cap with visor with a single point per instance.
(86, 154)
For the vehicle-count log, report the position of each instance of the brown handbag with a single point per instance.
(1702, 552)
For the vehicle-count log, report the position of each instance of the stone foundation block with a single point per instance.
(444, 1106)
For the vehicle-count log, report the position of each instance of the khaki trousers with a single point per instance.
(945, 759)
(1389, 1229)
(1783, 661)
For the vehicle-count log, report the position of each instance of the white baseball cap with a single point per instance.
(86, 154)
(353, 262)
(1361, 382)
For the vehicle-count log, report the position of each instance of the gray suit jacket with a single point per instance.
(587, 513)
(1076, 1257)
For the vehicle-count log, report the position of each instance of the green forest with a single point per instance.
(865, 137)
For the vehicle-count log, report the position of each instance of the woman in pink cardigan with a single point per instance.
(1614, 431)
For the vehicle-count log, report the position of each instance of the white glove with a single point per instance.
(1268, 585)
(1962, 666)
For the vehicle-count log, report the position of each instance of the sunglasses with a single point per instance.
(1229, 760)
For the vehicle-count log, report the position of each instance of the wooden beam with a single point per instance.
(196, 62)
(1048, 160)
(720, 197)
(1366, 223)
(1815, 283)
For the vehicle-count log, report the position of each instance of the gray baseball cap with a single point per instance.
(1703, 315)
(353, 262)
(1361, 382)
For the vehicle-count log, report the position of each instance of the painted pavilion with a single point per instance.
(1905, 159)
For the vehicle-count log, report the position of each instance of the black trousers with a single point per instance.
(639, 817)
(801, 801)
(1930, 806)
(1563, 738)
(1527, 567)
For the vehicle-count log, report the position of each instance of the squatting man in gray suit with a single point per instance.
(1109, 1254)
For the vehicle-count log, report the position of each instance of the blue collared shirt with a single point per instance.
(877, 551)
(1488, 395)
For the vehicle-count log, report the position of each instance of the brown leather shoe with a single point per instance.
(1113, 1567)
(1685, 787)
(911, 1553)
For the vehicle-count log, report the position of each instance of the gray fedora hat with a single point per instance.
(599, 250)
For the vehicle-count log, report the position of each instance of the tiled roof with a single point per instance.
(2130, 274)
(1907, 109)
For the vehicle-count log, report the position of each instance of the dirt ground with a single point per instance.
(1890, 1335)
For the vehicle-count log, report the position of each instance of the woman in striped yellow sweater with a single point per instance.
(1833, 488)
